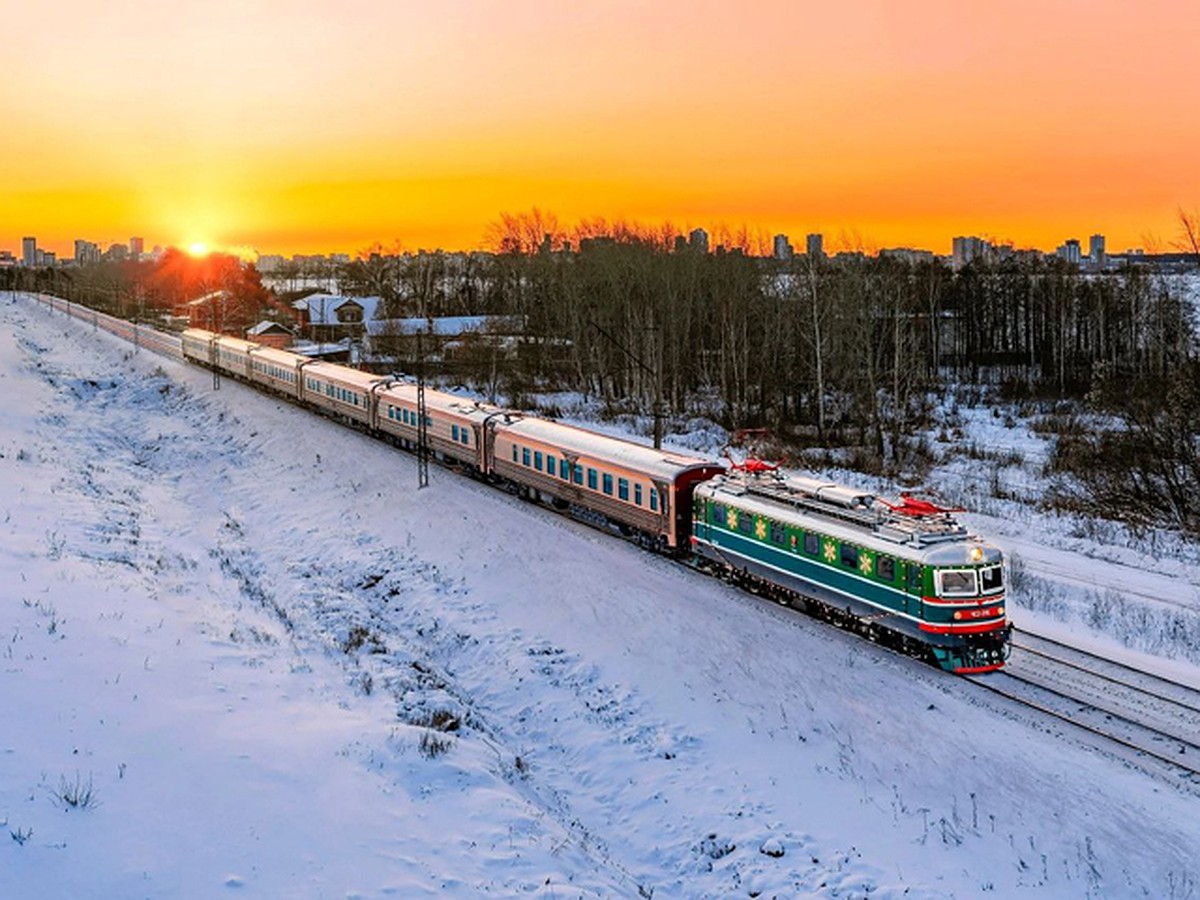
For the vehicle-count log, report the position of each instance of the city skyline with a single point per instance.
(888, 125)
(964, 249)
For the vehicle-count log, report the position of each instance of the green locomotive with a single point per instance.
(906, 574)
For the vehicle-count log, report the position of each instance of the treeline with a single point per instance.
(1046, 325)
(148, 289)
(1146, 469)
(826, 351)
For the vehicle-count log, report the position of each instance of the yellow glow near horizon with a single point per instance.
(197, 248)
(1031, 121)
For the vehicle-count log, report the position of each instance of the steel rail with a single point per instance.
(987, 682)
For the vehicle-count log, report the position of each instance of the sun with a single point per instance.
(198, 248)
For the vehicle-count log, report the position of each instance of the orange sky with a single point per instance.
(329, 125)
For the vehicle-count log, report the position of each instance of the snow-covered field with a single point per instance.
(243, 656)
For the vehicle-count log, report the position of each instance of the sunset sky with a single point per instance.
(288, 126)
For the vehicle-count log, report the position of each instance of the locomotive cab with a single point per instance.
(963, 607)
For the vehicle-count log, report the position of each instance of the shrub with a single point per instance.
(360, 636)
(433, 745)
(77, 793)
(443, 720)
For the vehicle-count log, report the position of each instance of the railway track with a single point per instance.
(1147, 718)
(1168, 691)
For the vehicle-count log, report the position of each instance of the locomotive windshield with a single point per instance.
(957, 583)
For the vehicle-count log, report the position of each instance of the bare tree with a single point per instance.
(1189, 227)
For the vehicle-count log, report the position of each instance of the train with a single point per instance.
(908, 575)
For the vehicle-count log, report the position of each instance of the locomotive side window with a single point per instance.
(885, 566)
(525, 456)
(812, 543)
(991, 578)
(637, 494)
(849, 556)
(578, 474)
(745, 523)
(778, 534)
(592, 479)
(718, 514)
(514, 445)
(537, 460)
(551, 464)
(623, 489)
(957, 583)
(654, 499)
(564, 470)
(608, 484)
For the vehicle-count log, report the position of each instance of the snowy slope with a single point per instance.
(243, 628)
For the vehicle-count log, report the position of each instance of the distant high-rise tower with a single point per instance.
(1096, 249)
(814, 245)
(136, 248)
(698, 240)
(86, 252)
(1070, 251)
(29, 251)
(783, 248)
(966, 249)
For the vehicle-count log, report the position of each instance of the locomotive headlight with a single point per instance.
(1000, 610)
(976, 554)
(958, 615)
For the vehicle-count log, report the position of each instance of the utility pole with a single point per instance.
(422, 428)
(212, 349)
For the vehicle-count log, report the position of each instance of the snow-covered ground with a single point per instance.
(243, 655)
